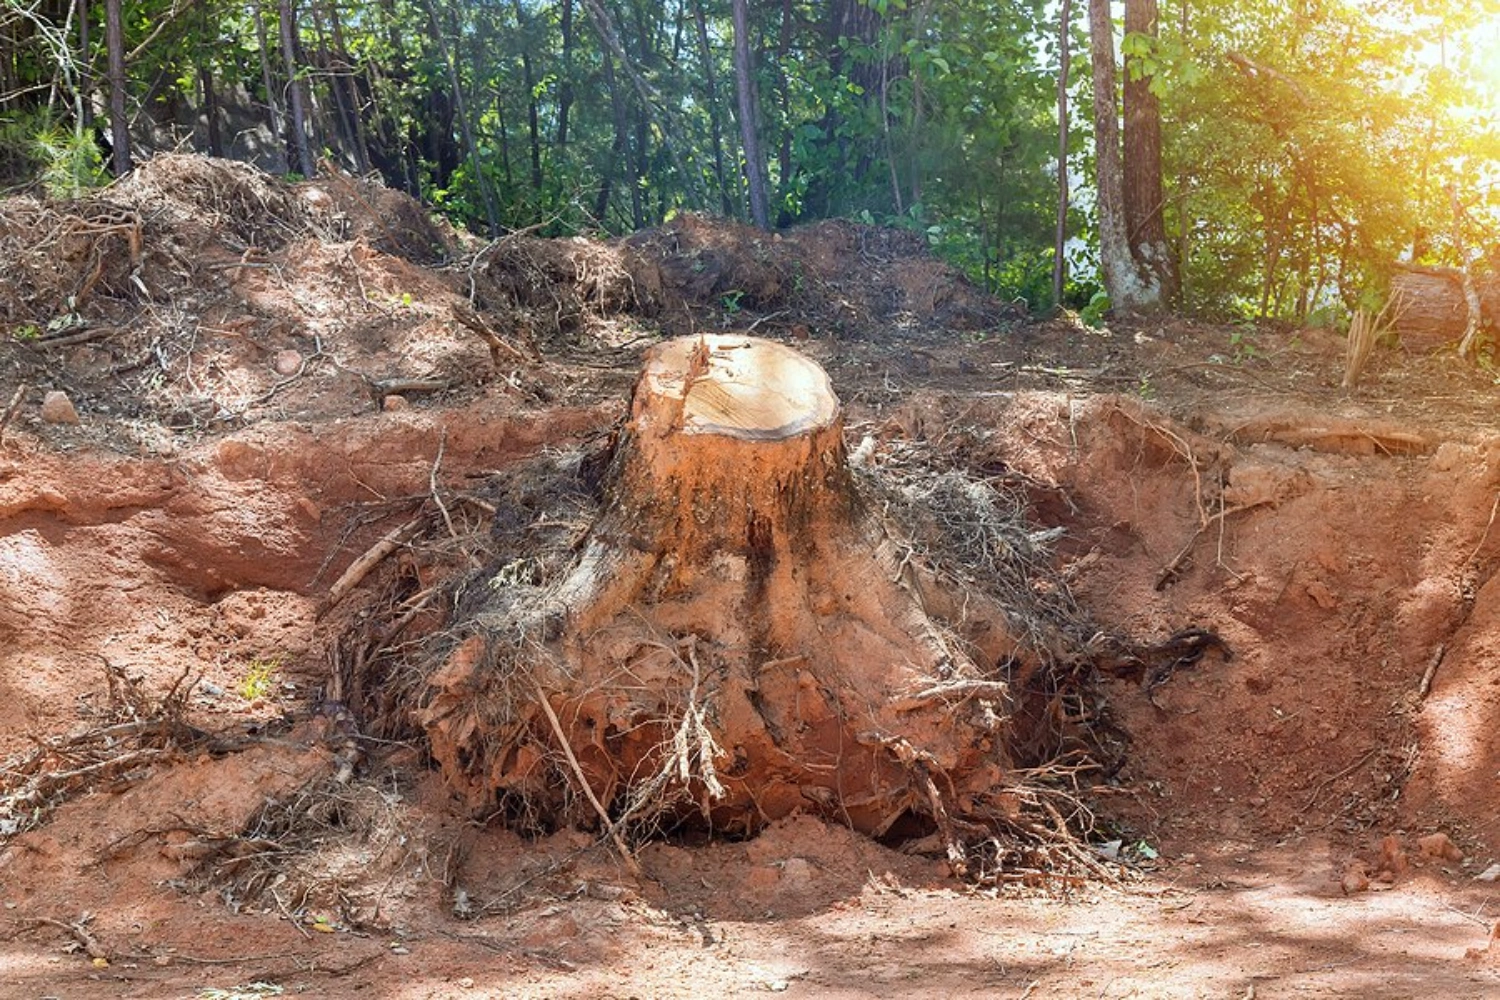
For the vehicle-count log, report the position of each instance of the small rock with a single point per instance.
(1486, 951)
(466, 983)
(1355, 878)
(1392, 859)
(395, 401)
(57, 408)
(1439, 846)
(1490, 874)
(1321, 595)
(287, 362)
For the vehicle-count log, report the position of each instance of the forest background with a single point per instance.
(1275, 160)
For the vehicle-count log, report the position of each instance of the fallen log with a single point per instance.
(1443, 306)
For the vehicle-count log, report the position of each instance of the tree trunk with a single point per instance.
(85, 74)
(119, 127)
(268, 80)
(727, 201)
(287, 17)
(1060, 239)
(533, 120)
(211, 112)
(619, 147)
(1437, 307)
(1129, 290)
(565, 85)
(651, 105)
(352, 89)
(784, 165)
(738, 640)
(346, 90)
(744, 90)
(1144, 220)
(465, 127)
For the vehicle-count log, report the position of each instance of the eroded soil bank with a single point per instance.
(195, 521)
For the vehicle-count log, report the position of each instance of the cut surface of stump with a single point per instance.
(740, 637)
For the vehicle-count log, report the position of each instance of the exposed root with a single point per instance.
(318, 855)
(134, 733)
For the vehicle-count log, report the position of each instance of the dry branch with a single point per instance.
(583, 782)
(361, 567)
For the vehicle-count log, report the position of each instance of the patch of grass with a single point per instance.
(262, 677)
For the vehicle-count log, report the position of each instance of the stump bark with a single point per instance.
(739, 639)
(1439, 307)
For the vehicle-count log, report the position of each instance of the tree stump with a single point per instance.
(1432, 308)
(739, 639)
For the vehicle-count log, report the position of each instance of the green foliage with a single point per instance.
(65, 161)
(1093, 313)
(261, 679)
(69, 161)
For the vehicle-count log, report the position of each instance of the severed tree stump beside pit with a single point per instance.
(739, 638)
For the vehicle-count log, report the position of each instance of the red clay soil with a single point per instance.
(1273, 802)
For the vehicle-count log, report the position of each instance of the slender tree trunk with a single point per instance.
(565, 85)
(651, 104)
(1060, 239)
(640, 166)
(619, 147)
(273, 106)
(1144, 220)
(460, 107)
(210, 96)
(533, 122)
(1129, 290)
(727, 201)
(345, 76)
(744, 87)
(211, 112)
(784, 167)
(119, 129)
(343, 139)
(885, 131)
(285, 9)
(85, 74)
(914, 144)
(510, 179)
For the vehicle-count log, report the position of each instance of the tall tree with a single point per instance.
(710, 83)
(1060, 240)
(119, 127)
(268, 81)
(85, 75)
(466, 127)
(745, 99)
(1131, 288)
(286, 11)
(1145, 222)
